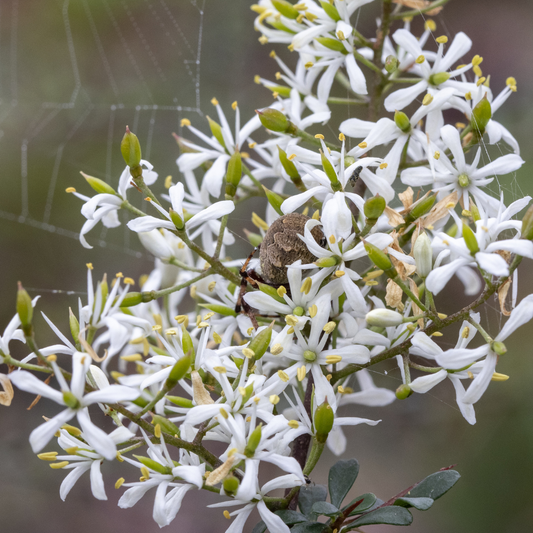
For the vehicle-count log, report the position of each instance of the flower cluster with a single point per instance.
(358, 235)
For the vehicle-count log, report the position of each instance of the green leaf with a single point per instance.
(342, 476)
(291, 517)
(395, 516)
(422, 504)
(309, 495)
(435, 485)
(308, 527)
(369, 500)
(324, 508)
(260, 527)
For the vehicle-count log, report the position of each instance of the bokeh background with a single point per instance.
(72, 75)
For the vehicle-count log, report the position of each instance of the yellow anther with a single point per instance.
(257, 79)
(330, 327)
(70, 189)
(116, 375)
(72, 450)
(259, 222)
(450, 205)
(301, 372)
(119, 482)
(460, 125)
(340, 389)
(272, 54)
(319, 136)
(145, 472)
(129, 281)
(185, 122)
(192, 291)
(220, 369)
(420, 59)
(276, 349)
(247, 352)
(250, 330)
(119, 457)
(499, 377)
(477, 60)
(134, 357)
(340, 35)
(168, 182)
(436, 155)
(465, 213)
(214, 101)
(73, 430)
(290, 331)
(427, 99)
(216, 337)
(291, 157)
(263, 39)
(342, 138)
(362, 144)
(226, 514)
(157, 327)
(478, 72)
(373, 275)
(274, 399)
(442, 316)
(58, 466)
(293, 424)
(470, 375)
(309, 64)
(306, 286)
(234, 105)
(383, 166)
(430, 25)
(180, 319)
(211, 286)
(371, 283)
(291, 320)
(282, 291)
(481, 81)
(242, 391)
(333, 359)
(47, 456)
(468, 96)
(442, 39)
(316, 215)
(202, 325)
(277, 75)
(157, 431)
(283, 376)
(224, 413)
(510, 81)
(437, 334)
(89, 266)
(209, 315)
(52, 358)
(332, 239)
(328, 377)
(339, 273)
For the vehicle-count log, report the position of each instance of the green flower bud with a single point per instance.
(70, 400)
(220, 309)
(419, 209)
(74, 325)
(527, 224)
(131, 149)
(153, 465)
(286, 8)
(273, 120)
(323, 421)
(391, 64)
(259, 344)
(470, 239)
(166, 425)
(288, 165)
(99, 186)
(24, 309)
(186, 342)
(402, 121)
(332, 44)
(330, 172)
(234, 173)
(248, 391)
(253, 442)
(216, 130)
(423, 255)
(374, 207)
(255, 238)
(179, 370)
(403, 392)
(378, 257)
(481, 114)
(326, 262)
(383, 318)
(271, 291)
(498, 348)
(331, 10)
(131, 299)
(275, 200)
(231, 485)
(176, 219)
(179, 401)
(282, 90)
(438, 78)
(475, 212)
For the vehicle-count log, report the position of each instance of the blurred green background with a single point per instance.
(72, 75)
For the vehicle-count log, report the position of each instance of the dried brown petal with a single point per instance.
(440, 210)
(406, 197)
(395, 219)
(394, 294)
(502, 296)
(419, 4)
(7, 394)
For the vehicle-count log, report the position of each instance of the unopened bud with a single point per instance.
(255, 238)
(374, 207)
(179, 370)
(131, 149)
(271, 291)
(273, 120)
(231, 485)
(323, 421)
(331, 10)
(223, 310)
(179, 401)
(378, 257)
(403, 392)
(153, 465)
(498, 348)
(423, 255)
(74, 325)
(402, 121)
(383, 318)
(274, 199)
(24, 309)
(391, 64)
(330, 172)
(288, 165)
(99, 186)
(253, 442)
(216, 130)
(259, 344)
(176, 219)
(420, 209)
(332, 44)
(166, 425)
(326, 262)
(481, 114)
(286, 8)
(234, 173)
(131, 299)
(470, 239)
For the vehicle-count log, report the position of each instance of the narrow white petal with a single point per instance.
(272, 521)
(97, 481)
(42, 434)
(98, 439)
(72, 477)
(482, 380)
(426, 383)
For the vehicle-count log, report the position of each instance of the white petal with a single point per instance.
(214, 211)
(71, 478)
(520, 315)
(97, 481)
(439, 277)
(111, 394)
(426, 383)
(41, 435)
(272, 521)
(403, 97)
(26, 381)
(98, 439)
(355, 75)
(482, 380)
(457, 358)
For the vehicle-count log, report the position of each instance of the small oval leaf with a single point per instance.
(291, 517)
(395, 516)
(422, 504)
(342, 476)
(324, 508)
(309, 495)
(435, 485)
(369, 500)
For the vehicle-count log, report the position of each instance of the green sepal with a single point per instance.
(470, 239)
(275, 200)
(374, 207)
(378, 257)
(223, 310)
(481, 114)
(332, 44)
(70, 400)
(131, 299)
(166, 425)
(282, 90)
(328, 262)
(438, 78)
(179, 371)
(323, 421)
(179, 401)
(153, 465)
(273, 120)
(186, 342)
(176, 219)
(420, 208)
(74, 325)
(98, 185)
(233, 174)
(271, 291)
(286, 9)
(331, 10)
(288, 165)
(498, 348)
(253, 441)
(216, 130)
(330, 172)
(402, 121)
(131, 149)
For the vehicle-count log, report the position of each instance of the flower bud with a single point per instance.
(378, 257)
(286, 8)
(419, 209)
(234, 173)
(527, 224)
(330, 172)
(255, 238)
(131, 149)
(231, 485)
(470, 239)
(332, 44)
(74, 325)
(323, 421)
(24, 309)
(166, 425)
(423, 255)
(438, 78)
(331, 10)
(253, 442)
(273, 120)
(179, 401)
(179, 370)
(186, 342)
(223, 310)
(374, 207)
(216, 130)
(259, 344)
(403, 392)
(275, 200)
(391, 64)
(327, 262)
(402, 121)
(98, 185)
(132, 299)
(288, 165)
(383, 318)
(498, 348)
(271, 291)
(176, 219)
(153, 465)
(481, 114)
